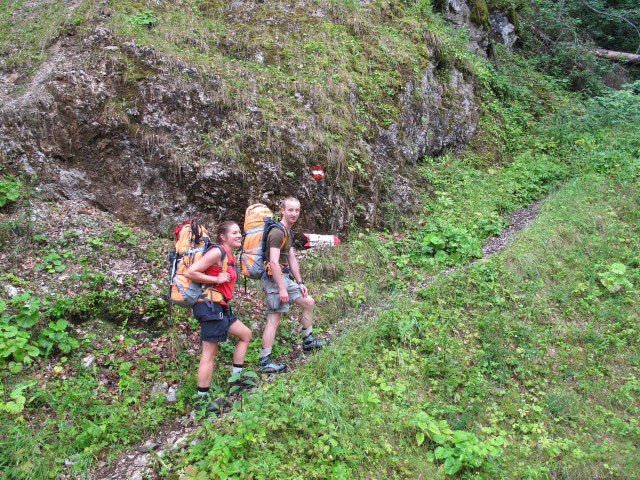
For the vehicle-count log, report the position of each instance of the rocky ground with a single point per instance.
(70, 252)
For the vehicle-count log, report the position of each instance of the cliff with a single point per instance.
(155, 111)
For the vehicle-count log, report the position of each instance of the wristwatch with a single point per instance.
(300, 282)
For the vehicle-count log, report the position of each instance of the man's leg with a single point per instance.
(307, 303)
(270, 329)
(309, 342)
(268, 336)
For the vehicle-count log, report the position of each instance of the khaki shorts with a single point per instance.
(272, 293)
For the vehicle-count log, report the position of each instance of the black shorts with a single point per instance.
(214, 322)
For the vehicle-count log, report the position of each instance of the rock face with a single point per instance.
(473, 15)
(503, 31)
(120, 126)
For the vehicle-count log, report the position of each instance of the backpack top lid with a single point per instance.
(255, 215)
(185, 239)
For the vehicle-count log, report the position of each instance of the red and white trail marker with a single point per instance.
(315, 240)
(317, 171)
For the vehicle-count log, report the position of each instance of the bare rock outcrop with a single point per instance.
(146, 137)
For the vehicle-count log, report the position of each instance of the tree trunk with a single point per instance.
(622, 57)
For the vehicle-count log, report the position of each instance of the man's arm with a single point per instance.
(294, 268)
(276, 274)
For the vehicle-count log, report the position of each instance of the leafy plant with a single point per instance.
(10, 190)
(614, 279)
(17, 402)
(248, 381)
(16, 330)
(52, 263)
(123, 234)
(449, 244)
(143, 19)
(457, 449)
(18, 338)
(489, 225)
(55, 335)
(96, 242)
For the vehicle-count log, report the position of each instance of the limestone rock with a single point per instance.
(136, 147)
(503, 31)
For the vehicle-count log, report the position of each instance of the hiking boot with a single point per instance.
(266, 365)
(207, 406)
(311, 343)
(243, 383)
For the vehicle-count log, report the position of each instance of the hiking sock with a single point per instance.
(203, 391)
(306, 332)
(236, 368)
(265, 352)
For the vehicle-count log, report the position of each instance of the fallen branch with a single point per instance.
(622, 57)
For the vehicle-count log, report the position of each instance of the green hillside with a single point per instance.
(443, 362)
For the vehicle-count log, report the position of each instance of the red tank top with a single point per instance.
(226, 288)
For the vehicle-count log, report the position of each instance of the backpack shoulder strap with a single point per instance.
(279, 226)
(224, 258)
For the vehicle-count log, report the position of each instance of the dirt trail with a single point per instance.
(518, 220)
(141, 462)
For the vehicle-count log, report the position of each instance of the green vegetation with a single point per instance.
(523, 365)
(10, 190)
(516, 367)
(562, 37)
(72, 411)
(27, 30)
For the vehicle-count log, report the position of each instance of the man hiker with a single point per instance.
(281, 290)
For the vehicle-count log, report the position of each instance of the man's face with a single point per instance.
(291, 212)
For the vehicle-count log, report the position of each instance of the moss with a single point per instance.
(512, 16)
(480, 13)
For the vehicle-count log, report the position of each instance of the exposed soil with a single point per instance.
(141, 462)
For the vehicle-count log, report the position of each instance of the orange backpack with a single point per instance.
(192, 242)
(258, 222)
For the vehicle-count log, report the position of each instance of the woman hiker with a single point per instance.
(214, 312)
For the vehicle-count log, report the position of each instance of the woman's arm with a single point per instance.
(196, 271)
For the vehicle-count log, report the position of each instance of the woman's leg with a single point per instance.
(205, 370)
(240, 330)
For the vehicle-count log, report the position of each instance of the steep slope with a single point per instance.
(158, 110)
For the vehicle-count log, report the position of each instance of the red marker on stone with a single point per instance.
(317, 171)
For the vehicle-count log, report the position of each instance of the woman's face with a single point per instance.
(233, 237)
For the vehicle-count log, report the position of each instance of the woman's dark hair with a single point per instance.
(222, 229)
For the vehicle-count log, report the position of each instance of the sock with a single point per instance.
(306, 332)
(203, 390)
(236, 368)
(265, 352)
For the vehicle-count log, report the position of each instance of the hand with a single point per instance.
(303, 290)
(223, 277)
(284, 295)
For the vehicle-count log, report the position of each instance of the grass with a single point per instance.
(526, 355)
(295, 70)
(27, 29)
